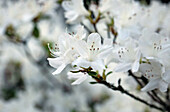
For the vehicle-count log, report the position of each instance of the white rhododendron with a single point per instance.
(145, 54)
(128, 57)
(156, 74)
(90, 52)
(75, 10)
(99, 46)
(138, 48)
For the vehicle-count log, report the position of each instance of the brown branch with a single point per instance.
(153, 95)
(122, 90)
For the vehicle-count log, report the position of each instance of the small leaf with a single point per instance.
(104, 76)
(109, 73)
(92, 73)
(93, 82)
(119, 81)
(75, 71)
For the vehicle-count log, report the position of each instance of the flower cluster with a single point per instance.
(103, 38)
(131, 38)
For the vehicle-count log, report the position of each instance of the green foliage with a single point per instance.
(8, 93)
(11, 33)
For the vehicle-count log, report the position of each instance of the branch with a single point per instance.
(114, 33)
(122, 90)
(154, 96)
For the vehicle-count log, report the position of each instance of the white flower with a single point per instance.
(164, 57)
(75, 10)
(152, 44)
(124, 16)
(91, 53)
(65, 50)
(127, 56)
(147, 17)
(155, 72)
(65, 53)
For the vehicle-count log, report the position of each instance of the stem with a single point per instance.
(94, 22)
(95, 29)
(88, 30)
(108, 32)
(114, 33)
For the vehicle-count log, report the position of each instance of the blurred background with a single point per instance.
(26, 82)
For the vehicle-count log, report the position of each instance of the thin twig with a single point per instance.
(114, 33)
(95, 29)
(88, 30)
(108, 32)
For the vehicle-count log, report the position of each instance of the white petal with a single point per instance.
(72, 17)
(74, 75)
(80, 80)
(123, 67)
(108, 42)
(153, 84)
(105, 53)
(66, 5)
(94, 38)
(81, 48)
(166, 46)
(151, 71)
(81, 63)
(97, 65)
(163, 86)
(55, 62)
(150, 58)
(138, 54)
(59, 69)
(111, 58)
(80, 34)
(135, 66)
(166, 76)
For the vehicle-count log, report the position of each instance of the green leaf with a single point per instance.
(93, 82)
(109, 73)
(92, 73)
(75, 71)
